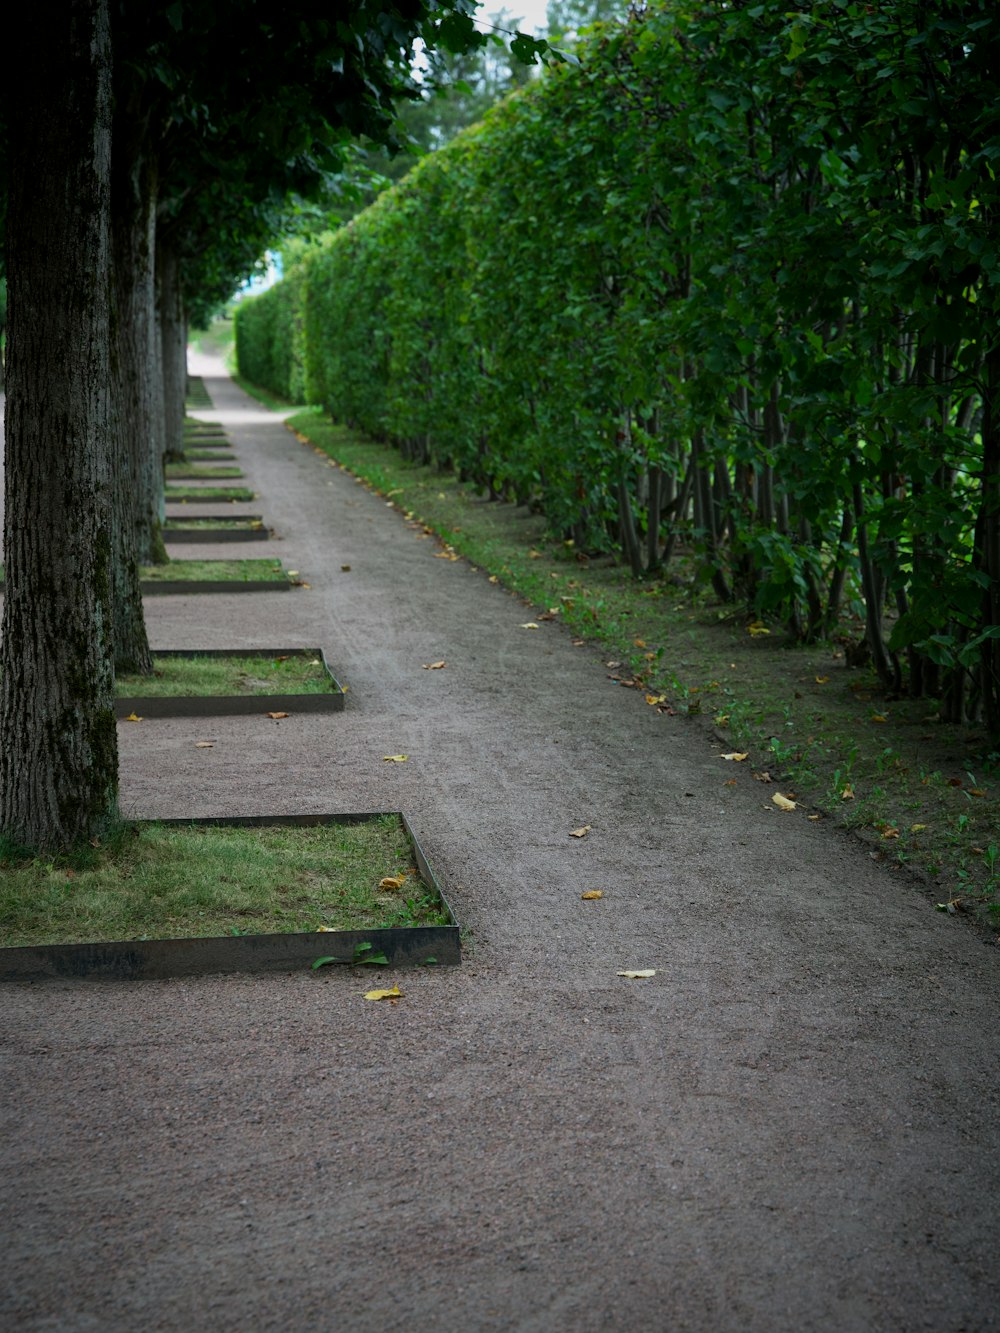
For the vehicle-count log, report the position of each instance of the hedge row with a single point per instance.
(729, 286)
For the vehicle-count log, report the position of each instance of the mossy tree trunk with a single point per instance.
(58, 747)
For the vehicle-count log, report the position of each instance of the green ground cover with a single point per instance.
(292, 673)
(924, 793)
(191, 472)
(223, 524)
(200, 571)
(175, 492)
(155, 882)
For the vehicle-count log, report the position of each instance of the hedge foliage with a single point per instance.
(730, 284)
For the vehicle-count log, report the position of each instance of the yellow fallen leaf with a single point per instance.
(580, 832)
(976, 791)
(917, 828)
(654, 699)
(848, 793)
(635, 973)
(814, 818)
(434, 666)
(133, 717)
(757, 629)
(494, 579)
(529, 625)
(821, 680)
(345, 569)
(737, 756)
(639, 643)
(326, 930)
(293, 573)
(878, 717)
(395, 758)
(392, 882)
(534, 555)
(782, 802)
(277, 715)
(592, 895)
(392, 993)
(204, 745)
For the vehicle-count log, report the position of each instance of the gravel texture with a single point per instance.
(792, 1126)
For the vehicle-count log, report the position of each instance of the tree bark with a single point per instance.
(173, 341)
(58, 747)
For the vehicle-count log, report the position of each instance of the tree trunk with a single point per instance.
(58, 752)
(138, 371)
(988, 547)
(173, 341)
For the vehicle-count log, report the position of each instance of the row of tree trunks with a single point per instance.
(58, 758)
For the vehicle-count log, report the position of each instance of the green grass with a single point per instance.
(180, 493)
(222, 524)
(925, 794)
(153, 882)
(204, 456)
(191, 472)
(200, 571)
(294, 673)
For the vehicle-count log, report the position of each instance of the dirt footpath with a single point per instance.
(792, 1126)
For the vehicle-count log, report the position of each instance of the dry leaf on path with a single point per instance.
(580, 832)
(133, 717)
(392, 882)
(395, 758)
(529, 625)
(392, 993)
(277, 715)
(782, 802)
(204, 745)
(736, 756)
(636, 973)
(345, 569)
(434, 666)
(763, 776)
(591, 895)
(848, 793)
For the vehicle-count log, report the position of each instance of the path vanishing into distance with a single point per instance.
(792, 1126)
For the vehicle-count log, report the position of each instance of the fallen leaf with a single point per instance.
(578, 643)
(395, 758)
(326, 930)
(917, 828)
(878, 717)
(277, 715)
(848, 793)
(821, 680)
(494, 579)
(814, 818)
(434, 666)
(345, 569)
(392, 882)
(204, 745)
(736, 756)
(782, 802)
(534, 555)
(654, 699)
(639, 643)
(757, 629)
(592, 895)
(393, 993)
(890, 833)
(293, 573)
(976, 791)
(529, 625)
(580, 832)
(635, 973)
(763, 777)
(133, 717)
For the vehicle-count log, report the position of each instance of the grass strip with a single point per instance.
(191, 472)
(155, 882)
(182, 494)
(178, 677)
(222, 524)
(205, 571)
(922, 793)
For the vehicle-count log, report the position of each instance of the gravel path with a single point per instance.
(792, 1126)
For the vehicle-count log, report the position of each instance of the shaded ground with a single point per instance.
(791, 1126)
